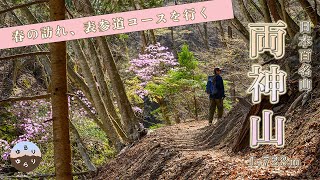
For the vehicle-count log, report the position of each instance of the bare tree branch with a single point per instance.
(86, 108)
(24, 55)
(256, 7)
(82, 149)
(265, 10)
(23, 5)
(26, 98)
(245, 11)
(244, 33)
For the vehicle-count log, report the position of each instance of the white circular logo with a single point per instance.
(25, 156)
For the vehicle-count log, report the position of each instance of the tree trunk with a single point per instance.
(246, 39)
(97, 68)
(153, 36)
(286, 19)
(104, 90)
(126, 49)
(273, 10)
(206, 37)
(203, 37)
(294, 27)
(316, 9)
(164, 110)
(243, 140)
(143, 36)
(139, 6)
(82, 149)
(233, 92)
(245, 11)
(172, 37)
(130, 122)
(230, 32)
(195, 105)
(32, 19)
(88, 110)
(313, 15)
(109, 128)
(265, 10)
(143, 43)
(128, 118)
(6, 80)
(222, 33)
(221, 30)
(60, 109)
(256, 7)
(16, 68)
(241, 28)
(77, 80)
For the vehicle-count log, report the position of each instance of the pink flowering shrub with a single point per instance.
(33, 120)
(155, 62)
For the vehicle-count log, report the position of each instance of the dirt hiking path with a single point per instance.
(175, 152)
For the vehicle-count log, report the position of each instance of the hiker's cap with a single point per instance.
(217, 69)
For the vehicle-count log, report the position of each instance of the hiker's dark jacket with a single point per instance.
(220, 87)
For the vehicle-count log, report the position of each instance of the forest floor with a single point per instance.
(181, 151)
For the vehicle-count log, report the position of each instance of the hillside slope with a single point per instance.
(194, 150)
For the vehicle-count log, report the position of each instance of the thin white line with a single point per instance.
(146, 20)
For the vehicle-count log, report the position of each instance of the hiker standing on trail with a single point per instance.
(215, 89)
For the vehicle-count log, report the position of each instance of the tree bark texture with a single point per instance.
(60, 109)
(313, 15)
(108, 126)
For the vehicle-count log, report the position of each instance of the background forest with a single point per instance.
(152, 78)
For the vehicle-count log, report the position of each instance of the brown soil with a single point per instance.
(194, 150)
(175, 152)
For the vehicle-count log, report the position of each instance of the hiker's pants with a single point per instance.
(215, 103)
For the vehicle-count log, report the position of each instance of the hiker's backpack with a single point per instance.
(211, 87)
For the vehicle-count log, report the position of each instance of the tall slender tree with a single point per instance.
(60, 111)
(108, 126)
(130, 122)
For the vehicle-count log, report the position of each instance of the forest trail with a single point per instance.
(182, 151)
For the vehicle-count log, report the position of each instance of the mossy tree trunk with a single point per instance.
(104, 115)
(104, 90)
(130, 122)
